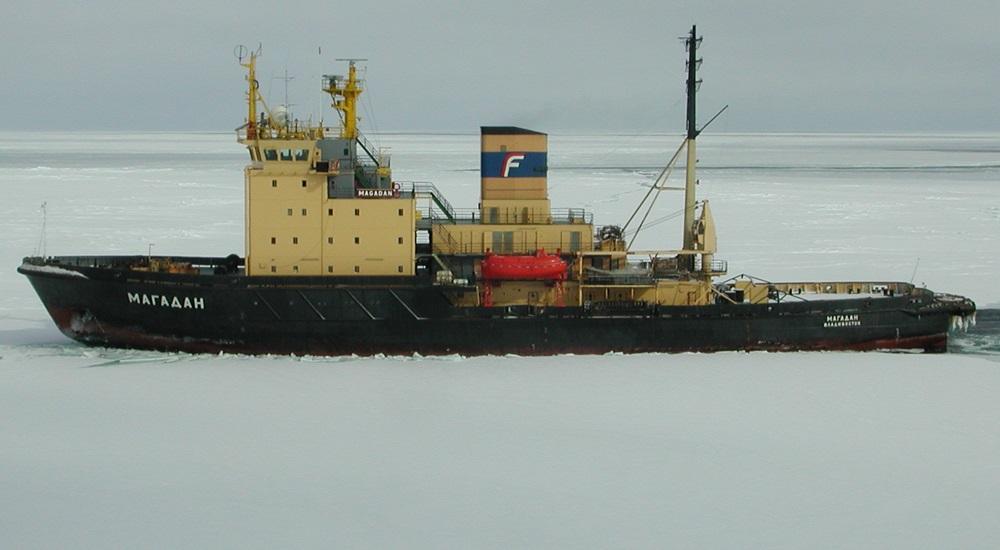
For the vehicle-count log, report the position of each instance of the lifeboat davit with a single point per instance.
(538, 267)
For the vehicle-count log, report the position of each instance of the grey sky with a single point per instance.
(554, 66)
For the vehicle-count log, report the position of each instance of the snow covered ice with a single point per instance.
(121, 448)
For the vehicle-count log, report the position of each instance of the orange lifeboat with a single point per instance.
(538, 267)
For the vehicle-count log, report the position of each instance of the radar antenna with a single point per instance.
(286, 105)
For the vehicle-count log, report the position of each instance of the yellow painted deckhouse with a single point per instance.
(323, 202)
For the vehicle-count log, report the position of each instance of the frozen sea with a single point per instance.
(116, 448)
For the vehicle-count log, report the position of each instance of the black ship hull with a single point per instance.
(104, 305)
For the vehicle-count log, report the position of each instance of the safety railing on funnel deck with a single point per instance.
(514, 216)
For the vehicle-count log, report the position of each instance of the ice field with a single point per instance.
(119, 448)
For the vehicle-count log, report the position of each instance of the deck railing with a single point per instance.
(513, 216)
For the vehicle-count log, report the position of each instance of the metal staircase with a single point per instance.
(429, 191)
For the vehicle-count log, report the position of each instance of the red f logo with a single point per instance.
(511, 161)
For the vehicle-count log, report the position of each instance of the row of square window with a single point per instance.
(329, 269)
(329, 240)
(329, 211)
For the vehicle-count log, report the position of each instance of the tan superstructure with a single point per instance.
(322, 202)
(313, 205)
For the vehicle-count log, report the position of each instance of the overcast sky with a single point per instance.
(617, 66)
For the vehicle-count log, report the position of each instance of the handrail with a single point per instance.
(367, 147)
(447, 234)
(432, 192)
(448, 243)
(715, 266)
(828, 287)
(297, 131)
(516, 216)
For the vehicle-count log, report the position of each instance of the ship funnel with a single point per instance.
(513, 172)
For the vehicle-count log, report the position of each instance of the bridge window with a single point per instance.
(302, 154)
(270, 154)
(286, 154)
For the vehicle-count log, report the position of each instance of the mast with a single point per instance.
(252, 85)
(693, 62)
(345, 95)
(287, 105)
